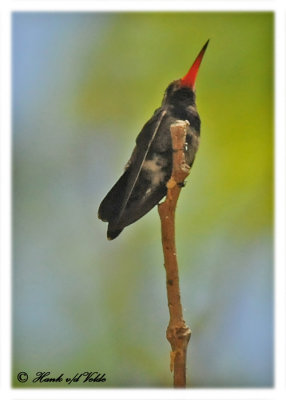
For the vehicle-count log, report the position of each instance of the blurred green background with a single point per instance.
(83, 86)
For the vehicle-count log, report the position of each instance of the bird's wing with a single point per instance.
(139, 160)
(113, 205)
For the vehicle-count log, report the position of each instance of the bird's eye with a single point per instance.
(183, 93)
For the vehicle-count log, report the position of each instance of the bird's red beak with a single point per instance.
(189, 79)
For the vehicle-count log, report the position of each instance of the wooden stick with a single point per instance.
(178, 333)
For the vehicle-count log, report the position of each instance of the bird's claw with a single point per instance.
(181, 184)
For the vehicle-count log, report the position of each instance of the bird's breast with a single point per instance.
(156, 169)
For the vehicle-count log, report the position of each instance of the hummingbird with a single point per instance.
(143, 183)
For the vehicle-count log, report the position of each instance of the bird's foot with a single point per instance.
(181, 184)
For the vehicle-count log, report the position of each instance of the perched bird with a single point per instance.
(143, 183)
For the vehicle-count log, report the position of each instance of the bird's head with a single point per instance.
(182, 91)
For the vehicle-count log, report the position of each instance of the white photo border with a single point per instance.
(7, 8)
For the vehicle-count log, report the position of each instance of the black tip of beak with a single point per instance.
(206, 45)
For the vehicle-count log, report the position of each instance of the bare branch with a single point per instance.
(178, 333)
